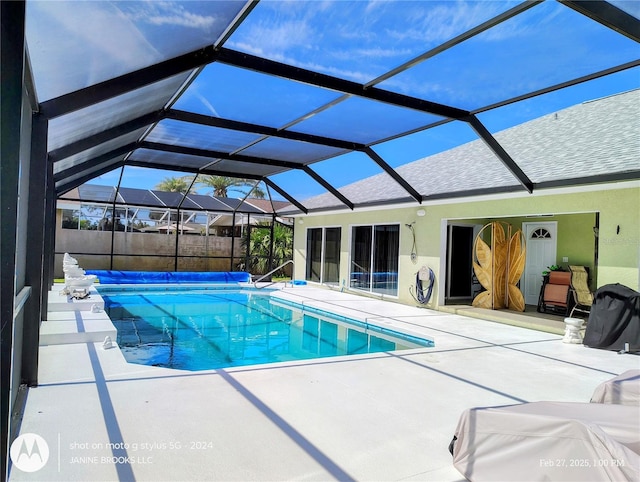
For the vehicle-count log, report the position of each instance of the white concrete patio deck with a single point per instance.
(380, 417)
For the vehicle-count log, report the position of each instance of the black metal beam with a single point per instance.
(284, 194)
(105, 136)
(125, 83)
(192, 170)
(499, 151)
(64, 187)
(328, 186)
(259, 129)
(50, 236)
(392, 172)
(251, 62)
(96, 161)
(560, 86)
(194, 151)
(233, 26)
(217, 172)
(34, 267)
(512, 12)
(608, 15)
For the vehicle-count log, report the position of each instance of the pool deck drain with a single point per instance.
(386, 416)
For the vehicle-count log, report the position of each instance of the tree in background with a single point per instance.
(259, 247)
(221, 185)
(176, 184)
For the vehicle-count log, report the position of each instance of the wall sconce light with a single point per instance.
(421, 212)
(300, 221)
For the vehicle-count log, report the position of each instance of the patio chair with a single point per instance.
(582, 295)
(555, 294)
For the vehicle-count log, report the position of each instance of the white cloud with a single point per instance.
(168, 13)
(75, 44)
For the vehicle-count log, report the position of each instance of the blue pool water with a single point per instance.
(201, 329)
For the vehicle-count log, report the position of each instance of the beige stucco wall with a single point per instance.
(617, 205)
(152, 245)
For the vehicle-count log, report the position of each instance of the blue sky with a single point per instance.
(357, 41)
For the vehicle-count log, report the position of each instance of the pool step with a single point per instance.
(59, 302)
(62, 328)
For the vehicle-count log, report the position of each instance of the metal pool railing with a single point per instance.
(255, 283)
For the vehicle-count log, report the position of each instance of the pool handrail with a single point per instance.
(255, 283)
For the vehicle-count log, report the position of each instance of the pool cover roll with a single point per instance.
(166, 277)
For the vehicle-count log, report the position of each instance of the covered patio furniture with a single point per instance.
(582, 295)
(622, 390)
(614, 320)
(558, 441)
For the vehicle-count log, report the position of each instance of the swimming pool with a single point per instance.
(201, 328)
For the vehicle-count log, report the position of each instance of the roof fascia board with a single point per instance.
(260, 129)
(601, 178)
(608, 15)
(126, 83)
(466, 198)
(105, 136)
(271, 67)
(394, 175)
(499, 151)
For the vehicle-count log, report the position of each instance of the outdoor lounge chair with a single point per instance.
(555, 294)
(548, 441)
(582, 295)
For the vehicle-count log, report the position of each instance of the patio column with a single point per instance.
(12, 19)
(35, 248)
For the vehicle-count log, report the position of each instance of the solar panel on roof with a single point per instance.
(141, 197)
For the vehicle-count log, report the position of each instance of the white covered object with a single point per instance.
(557, 441)
(80, 281)
(74, 271)
(68, 259)
(623, 389)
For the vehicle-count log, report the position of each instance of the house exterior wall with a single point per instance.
(574, 209)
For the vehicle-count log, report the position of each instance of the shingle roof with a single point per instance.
(588, 140)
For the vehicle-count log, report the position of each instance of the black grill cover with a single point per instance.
(614, 319)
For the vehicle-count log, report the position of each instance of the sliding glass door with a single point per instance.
(374, 258)
(323, 255)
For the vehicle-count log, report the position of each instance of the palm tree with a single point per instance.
(176, 184)
(258, 247)
(221, 185)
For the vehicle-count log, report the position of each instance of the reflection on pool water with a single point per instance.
(205, 329)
